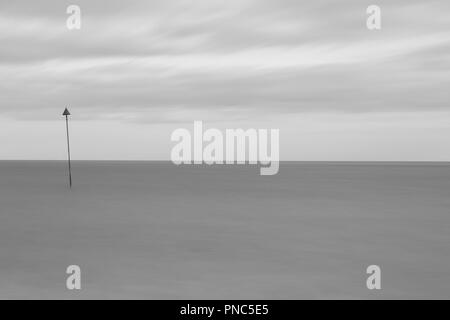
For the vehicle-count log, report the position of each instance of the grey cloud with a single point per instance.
(166, 27)
(414, 80)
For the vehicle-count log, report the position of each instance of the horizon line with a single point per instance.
(304, 161)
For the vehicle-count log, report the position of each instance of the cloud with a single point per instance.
(157, 60)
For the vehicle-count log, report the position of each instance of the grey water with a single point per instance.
(153, 230)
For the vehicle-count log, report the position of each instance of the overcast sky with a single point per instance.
(137, 70)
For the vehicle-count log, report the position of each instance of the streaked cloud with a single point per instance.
(275, 56)
(238, 61)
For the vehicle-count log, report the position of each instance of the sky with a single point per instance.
(137, 70)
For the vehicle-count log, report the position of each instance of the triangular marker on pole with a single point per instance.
(66, 113)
